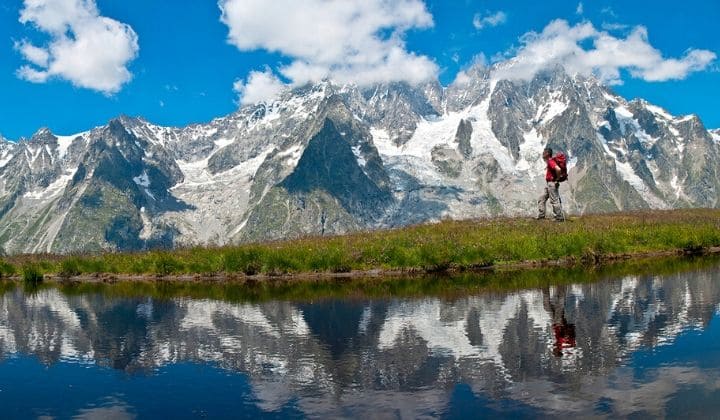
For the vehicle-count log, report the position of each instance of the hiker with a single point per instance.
(556, 173)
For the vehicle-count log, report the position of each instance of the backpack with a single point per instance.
(561, 161)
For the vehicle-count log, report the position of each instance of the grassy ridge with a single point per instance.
(431, 247)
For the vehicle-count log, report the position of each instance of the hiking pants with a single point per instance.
(551, 192)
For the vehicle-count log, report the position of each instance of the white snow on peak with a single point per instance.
(623, 112)
(64, 142)
(5, 157)
(142, 180)
(686, 118)
(658, 111)
(626, 171)
(609, 97)
(483, 137)
(626, 119)
(549, 111)
(715, 134)
(674, 131)
(223, 142)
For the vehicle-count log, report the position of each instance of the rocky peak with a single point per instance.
(469, 89)
(43, 137)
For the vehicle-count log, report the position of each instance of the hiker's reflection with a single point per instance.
(554, 302)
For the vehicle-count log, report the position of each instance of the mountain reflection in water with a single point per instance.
(633, 345)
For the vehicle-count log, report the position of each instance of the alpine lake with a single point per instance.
(636, 339)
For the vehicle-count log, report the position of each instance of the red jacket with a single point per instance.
(551, 172)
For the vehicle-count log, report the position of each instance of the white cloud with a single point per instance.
(89, 50)
(38, 56)
(562, 44)
(261, 86)
(580, 9)
(609, 11)
(349, 41)
(489, 19)
(463, 78)
(612, 27)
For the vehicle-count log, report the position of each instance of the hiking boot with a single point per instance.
(539, 218)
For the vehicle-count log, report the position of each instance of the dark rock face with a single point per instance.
(447, 161)
(462, 138)
(328, 164)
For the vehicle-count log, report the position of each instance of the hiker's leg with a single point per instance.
(554, 193)
(541, 203)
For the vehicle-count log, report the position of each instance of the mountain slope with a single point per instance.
(328, 159)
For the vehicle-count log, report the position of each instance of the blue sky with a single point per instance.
(176, 62)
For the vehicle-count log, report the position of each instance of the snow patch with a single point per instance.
(658, 111)
(143, 180)
(5, 158)
(623, 112)
(549, 111)
(53, 190)
(627, 119)
(64, 142)
(415, 156)
(223, 142)
(359, 156)
(627, 173)
(609, 97)
(715, 134)
(291, 155)
(383, 144)
(483, 137)
(429, 134)
(685, 118)
(530, 151)
(147, 229)
(572, 163)
(675, 186)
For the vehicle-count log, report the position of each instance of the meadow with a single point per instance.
(439, 247)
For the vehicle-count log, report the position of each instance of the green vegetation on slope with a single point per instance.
(432, 247)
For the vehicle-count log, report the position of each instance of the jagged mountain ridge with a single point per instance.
(328, 159)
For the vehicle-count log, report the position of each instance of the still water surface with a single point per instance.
(646, 345)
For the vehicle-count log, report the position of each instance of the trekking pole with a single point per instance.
(562, 210)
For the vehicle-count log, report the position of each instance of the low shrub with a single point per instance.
(31, 273)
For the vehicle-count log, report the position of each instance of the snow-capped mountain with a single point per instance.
(328, 159)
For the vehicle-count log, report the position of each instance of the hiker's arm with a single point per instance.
(555, 168)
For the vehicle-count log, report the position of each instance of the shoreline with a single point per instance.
(244, 279)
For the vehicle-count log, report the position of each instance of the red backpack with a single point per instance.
(561, 161)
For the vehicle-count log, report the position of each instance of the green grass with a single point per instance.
(374, 288)
(423, 248)
(32, 273)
